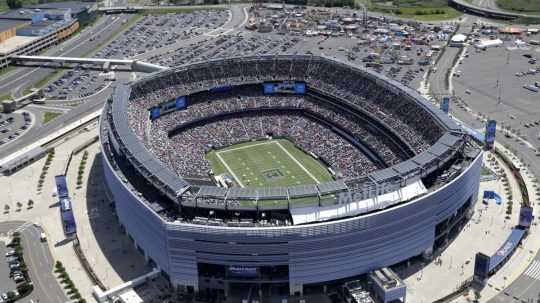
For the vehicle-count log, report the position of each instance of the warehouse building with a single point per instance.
(27, 31)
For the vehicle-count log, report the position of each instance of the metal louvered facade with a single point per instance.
(314, 253)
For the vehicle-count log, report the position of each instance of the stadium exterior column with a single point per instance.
(295, 288)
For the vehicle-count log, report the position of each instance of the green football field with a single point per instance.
(269, 163)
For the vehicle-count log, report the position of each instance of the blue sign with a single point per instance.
(491, 128)
(445, 104)
(61, 186)
(525, 216)
(223, 88)
(285, 88)
(269, 88)
(481, 266)
(181, 103)
(155, 112)
(300, 88)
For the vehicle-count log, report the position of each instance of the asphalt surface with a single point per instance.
(6, 283)
(39, 261)
(79, 45)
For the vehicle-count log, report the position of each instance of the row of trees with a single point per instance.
(69, 286)
(14, 4)
(30, 205)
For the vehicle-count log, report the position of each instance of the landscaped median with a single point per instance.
(69, 286)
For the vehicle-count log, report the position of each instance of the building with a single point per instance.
(8, 28)
(82, 11)
(207, 237)
(27, 31)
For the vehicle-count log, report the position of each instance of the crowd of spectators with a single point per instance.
(185, 151)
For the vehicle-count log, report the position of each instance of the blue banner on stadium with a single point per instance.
(284, 88)
(300, 88)
(445, 104)
(155, 112)
(181, 103)
(491, 128)
(168, 106)
(269, 88)
(223, 88)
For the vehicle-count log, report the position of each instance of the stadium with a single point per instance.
(286, 172)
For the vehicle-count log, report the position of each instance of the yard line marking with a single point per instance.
(244, 147)
(229, 169)
(297, 162)
(218, 154)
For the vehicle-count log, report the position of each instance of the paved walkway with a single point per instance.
(486, 231)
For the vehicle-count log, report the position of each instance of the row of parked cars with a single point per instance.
(14, 264)
(15, 272)
(13, 132)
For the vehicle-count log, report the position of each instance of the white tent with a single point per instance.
(483, 44)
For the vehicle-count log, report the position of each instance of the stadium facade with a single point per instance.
(195, 232)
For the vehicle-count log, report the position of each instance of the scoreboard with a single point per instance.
(284, 88)
(178, 103)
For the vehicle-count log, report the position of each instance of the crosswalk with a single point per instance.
(534, 270)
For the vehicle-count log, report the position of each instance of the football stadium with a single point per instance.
(286, 172)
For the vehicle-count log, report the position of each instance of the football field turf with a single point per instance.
(268, 163)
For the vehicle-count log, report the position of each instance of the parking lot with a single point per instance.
(148, 33)
(496, 83)
(13, 125)
(6, 283)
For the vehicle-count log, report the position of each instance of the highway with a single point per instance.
(39, 261)
(77, 46)
(488, 8)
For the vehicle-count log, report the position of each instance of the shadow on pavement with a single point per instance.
(119, 250)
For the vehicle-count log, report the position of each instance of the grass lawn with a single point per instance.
(421, 10)
(484, 171)
(270, 163)
(520, 5)
(49, 116)
(169, 10)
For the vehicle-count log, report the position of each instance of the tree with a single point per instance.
(30, 203)
(19, 204)
(13, 4)
(6, 208)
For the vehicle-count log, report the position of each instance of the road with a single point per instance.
(526, 288)
(77, 46)
(40, 263)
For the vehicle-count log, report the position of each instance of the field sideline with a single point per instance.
(269, 163)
